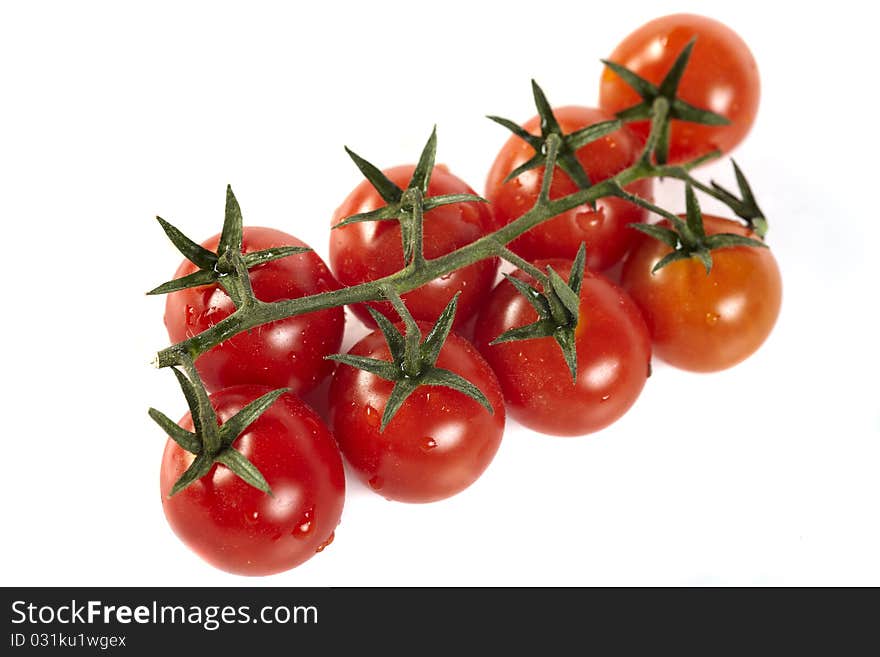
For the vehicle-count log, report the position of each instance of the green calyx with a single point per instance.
(413, 359)
(688, 238)
(406, 206)
(558, 307)
(211, 442)
(665, 96)
(745, 207)
(568, 146)
(221, 267)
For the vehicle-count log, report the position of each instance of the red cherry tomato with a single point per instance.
(721, 76)
(439, 442)
(369, 250)
(288, 353)
(613, 355)
(604, 229)
(706, 323)
(240, 529)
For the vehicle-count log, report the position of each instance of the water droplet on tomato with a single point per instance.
(428, 444)
(589, 220)
(305, 526)
(373, 417)
(605, 398)
(376, 482)
(190, 313)
(252, 517)
(323, 545)
(712, 318)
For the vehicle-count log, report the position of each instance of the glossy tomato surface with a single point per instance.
(613, 352)
(366, 251)
(288, 353)
(700, 322)
(721, 76)
(438, 443)
(604, 229)
(240, 529)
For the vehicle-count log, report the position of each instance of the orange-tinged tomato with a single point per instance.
(721, 76)
(701, 322)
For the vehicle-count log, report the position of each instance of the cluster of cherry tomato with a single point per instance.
(440, 440)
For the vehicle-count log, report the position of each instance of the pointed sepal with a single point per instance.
(543, 328)
(213, 267)
(186, 439)
(669, 258)
(675, 107)
(421, 177)
(233, 227)
(436, 338)
(438, 376)
(195, 253)
(243, 468)
(384, 369)
(537, 300)
(196, 279)
(413, 359)
(688, 239)
(746, 207)
(393, 337)
(432, 202)
(565, 338)
(388, 190)
(566, 158)
(275, 253)
(200, 466)
(238, 423)
(566, 295)
(401, 391)
(578, 269)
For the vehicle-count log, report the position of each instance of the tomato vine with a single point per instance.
(229, 267)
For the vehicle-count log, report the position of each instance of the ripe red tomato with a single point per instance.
(705, 323)
(439, 442)
(605, 229)
(366, 251)
(288, 353)
(240, 529)
(613, 356)
(721, 76)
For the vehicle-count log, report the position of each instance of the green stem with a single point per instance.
(416, 198)
(236, 281)
(523, 265)
(400, 282)
(210, 435)
(253, 312)
(412, 361)
(660, 110)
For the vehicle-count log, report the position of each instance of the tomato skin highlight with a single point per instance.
(367, 251)
(613, 350)
(288, 353)
(439, 442)
(706, 323)
(721, 76)
(605, 229)
(239, 529)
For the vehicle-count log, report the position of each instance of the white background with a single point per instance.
(113, 113)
